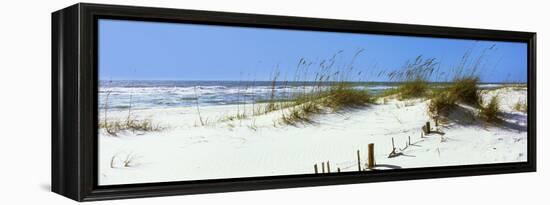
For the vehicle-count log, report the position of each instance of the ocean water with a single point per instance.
(162, 94)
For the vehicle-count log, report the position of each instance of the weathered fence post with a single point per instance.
(328, 166)
(358, 160)
(409, 140)
(428, 129)
(316, 170)
(371, 156)
(323, 167)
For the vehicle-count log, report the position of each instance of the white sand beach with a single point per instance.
(263, 146)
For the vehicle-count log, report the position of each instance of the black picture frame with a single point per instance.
(74, 101)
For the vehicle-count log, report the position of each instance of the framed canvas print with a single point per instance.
(156, 102)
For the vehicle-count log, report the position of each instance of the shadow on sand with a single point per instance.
(386, 166)
(465, 116)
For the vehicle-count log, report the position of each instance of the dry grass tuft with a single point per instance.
(465, 90)
(413, 89)
(520, 106)
(413, 77)
(339, 96)
(441, 104)
(462, 90)
(343, 95)
(491, 111)
(113, 127)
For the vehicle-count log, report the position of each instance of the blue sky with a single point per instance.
(137, 50)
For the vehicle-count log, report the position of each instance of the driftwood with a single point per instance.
(393, 153)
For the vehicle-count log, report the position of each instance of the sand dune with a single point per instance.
(263, 146)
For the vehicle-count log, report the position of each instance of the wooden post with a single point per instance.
(428, 129)
(436, 123)
(409, 140)
(358, 160)
(315, 167)
(328, 166)
(323, 167)
(421, 134)
(392, 145)
(371, 156)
